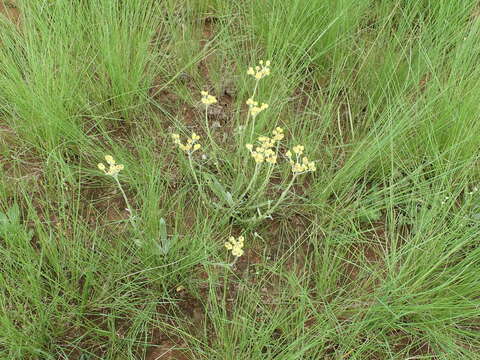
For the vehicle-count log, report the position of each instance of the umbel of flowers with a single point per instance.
(260, 71)
(235, 245)
(208, 99)
(190, 146)
(113, 167)
(266, 150)
(254, 108)
(300, 164)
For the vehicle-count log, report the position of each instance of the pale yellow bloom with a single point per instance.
(278, 134)
(235, 245)
(190, 146)
(258, 157)
(260, 71)
(272, 159)
(208, 99)
(113, 168)
(109, 160)
(298, 168)
(237, 251)
(298, 149)
(265, 151)
(301, 164)
(255, 110)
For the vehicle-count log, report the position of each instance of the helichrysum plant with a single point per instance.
(113, 169)
(268, 155)
(163, 244)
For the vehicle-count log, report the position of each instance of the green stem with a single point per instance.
(264, 184)
(195, 175)
(253, 118)
(253, 127)
(129, 208)
(279, 201)
(248, 114)
(252, 180)
(200, 190)
(255, 88)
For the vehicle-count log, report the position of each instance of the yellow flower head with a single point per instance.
(272, 159)
(190, 146)
(195, 137)
(300, 164)
(208, 99)
(265, 151)
(251, 103)
(176, 139)
(258, 157)
(298, 149)
(235, 245)
(278, 134)
(255, 110)
(298, 168)
(259, 72)
(113, 168)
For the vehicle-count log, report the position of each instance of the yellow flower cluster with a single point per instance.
(254, 108)
(261, 71)
(113, 168)
(265, 151)
(236, 246)
(208, 99)
(189, 146)
(301, 164)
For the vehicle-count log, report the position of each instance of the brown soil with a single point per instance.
(10, 11)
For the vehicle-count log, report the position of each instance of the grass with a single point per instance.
(372, 256)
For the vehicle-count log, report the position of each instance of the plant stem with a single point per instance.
(200, 190)
(248, 114)
(264, 184)
(279, 201)
(207, 126)
(252, 180)
(129, 208)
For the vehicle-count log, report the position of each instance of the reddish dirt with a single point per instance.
(10, 11)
